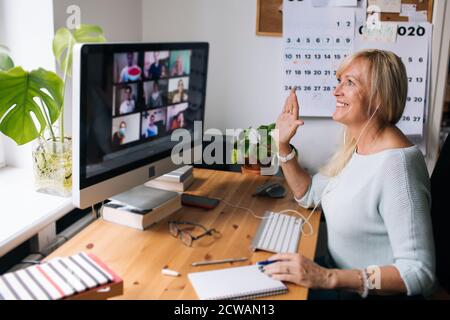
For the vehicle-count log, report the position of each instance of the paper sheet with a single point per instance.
(412, 46)
(334, 3)
(383, 32)
(386, 5)
(316, 40)
(409, 10)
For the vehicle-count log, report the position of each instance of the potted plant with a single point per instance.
(32, 109)
(255, 148)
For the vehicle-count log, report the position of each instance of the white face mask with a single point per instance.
(155, 95)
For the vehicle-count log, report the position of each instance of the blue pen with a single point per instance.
(266, 262)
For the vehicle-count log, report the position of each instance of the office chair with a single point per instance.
(440, 208)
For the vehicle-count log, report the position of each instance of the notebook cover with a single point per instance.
(235, 283)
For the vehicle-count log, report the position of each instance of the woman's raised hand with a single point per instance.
(288, 122)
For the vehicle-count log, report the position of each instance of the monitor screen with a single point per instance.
(132, 97)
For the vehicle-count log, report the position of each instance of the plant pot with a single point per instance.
(52, 164)
(252, 168)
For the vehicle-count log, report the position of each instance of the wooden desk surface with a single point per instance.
(139, 256)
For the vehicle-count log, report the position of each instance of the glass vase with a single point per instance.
(52, 164)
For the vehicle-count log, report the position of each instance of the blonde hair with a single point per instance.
(387, 91)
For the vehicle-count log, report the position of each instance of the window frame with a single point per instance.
(2, 153)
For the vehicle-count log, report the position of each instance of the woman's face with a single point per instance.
(180, 85)
(122, 129)
(178, 63)
(352, 94)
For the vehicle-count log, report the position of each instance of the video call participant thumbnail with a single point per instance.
(125, 130)
(156, 64)
(177, 121)
(176, 118)
(153, 123)
(119, 136)
(127, 100)
(152, 128)
(178, 90)
(180, 63)
(155, 93)
(127, 63)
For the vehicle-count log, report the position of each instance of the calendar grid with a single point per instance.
(318, 39)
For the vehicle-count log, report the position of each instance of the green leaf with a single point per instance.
(64, 41)
(263, 127)
(6, 62)
(18, 91)
(234, 156)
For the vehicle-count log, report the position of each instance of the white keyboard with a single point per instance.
(278, 233)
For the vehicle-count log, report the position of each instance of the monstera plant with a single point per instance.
(63, 44)
(32, 102)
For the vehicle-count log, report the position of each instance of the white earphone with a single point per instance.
(325, 191)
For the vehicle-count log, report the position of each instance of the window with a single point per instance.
(2, 154)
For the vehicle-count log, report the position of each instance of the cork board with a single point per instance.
(269, 20)
(421, 5)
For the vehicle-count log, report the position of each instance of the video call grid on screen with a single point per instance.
(146, 86)
(138, 98)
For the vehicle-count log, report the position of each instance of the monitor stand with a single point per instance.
(144, 198)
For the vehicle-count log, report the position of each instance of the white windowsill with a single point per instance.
(23, 211)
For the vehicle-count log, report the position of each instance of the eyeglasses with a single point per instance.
(186, 237)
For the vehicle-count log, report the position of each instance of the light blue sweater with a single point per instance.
(378, 213)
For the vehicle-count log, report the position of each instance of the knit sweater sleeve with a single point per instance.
(314, 192)
(405, 209)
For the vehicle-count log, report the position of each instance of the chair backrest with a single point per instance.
(440, 214)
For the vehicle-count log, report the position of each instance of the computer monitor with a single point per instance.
(128, 99)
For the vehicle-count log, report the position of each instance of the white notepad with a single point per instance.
(235, 283)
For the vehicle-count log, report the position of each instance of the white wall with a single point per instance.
(121, 21)
(26, 27)
(245, 71)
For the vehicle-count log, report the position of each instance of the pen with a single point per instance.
(266, 262)
(208, 262)
(169, 272)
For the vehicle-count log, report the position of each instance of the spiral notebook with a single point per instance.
(235, 283)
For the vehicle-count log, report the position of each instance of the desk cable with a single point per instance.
(305, 220)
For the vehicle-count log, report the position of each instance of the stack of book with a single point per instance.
(161, 204)
(178, 180)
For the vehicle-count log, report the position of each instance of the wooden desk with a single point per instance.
(138, 257)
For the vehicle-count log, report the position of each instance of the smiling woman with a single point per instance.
(375, 191)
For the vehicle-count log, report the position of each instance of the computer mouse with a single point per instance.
(271, 189)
